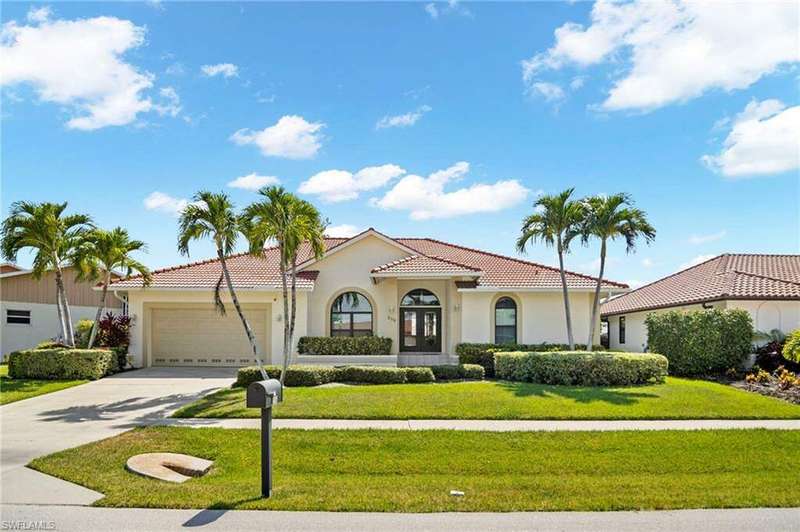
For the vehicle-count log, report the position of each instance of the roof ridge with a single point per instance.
(750, 274)
(454, 263)
(393, 263)
(523, 261)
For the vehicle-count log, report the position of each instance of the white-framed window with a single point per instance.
(18, 317)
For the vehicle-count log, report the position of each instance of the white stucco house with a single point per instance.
(424, 294)
(767, 286)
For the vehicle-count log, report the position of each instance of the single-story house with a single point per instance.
(424, 294)
(767, 286)
(28, 305)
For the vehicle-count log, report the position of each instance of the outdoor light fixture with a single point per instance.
(263, 395)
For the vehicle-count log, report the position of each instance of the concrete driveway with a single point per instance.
(75, 416)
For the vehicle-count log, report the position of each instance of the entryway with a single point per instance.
(420, 322)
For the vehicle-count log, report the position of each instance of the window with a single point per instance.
(420, 298)
(622, 329)
(505, 321)
(21, 317)
(351, 315)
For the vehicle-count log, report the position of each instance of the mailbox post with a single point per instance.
(263, 395)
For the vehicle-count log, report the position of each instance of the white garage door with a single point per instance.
(202, 337)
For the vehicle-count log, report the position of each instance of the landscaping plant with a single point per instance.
(791, 349)
(344, 345)
(61, 363)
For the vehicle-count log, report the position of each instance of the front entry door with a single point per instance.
(421, 330)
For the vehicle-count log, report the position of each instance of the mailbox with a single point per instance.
(264, 394)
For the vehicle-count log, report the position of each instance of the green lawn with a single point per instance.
(18, 389)
(414, 471)
(677, 399)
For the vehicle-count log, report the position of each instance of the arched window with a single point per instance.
(505, 321)
(420, 298)
(351, 315)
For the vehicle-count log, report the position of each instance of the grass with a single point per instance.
(12, 390)
(677, 399)
(414, 471)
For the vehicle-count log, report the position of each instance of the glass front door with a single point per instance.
(421, 330)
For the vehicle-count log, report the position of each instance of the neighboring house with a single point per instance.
(767, 286)
(426, 295)
(28, 305)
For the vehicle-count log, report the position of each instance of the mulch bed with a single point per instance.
(770, 389)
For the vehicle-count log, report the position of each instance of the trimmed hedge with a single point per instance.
(344, 345)
(61, 364)
(483, 354)
(316, 375)
(701, 342)
(582, 368)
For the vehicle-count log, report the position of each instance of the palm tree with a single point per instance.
(44, 228)
(212, 216)
(608, 218)
(556, 222)
(103, 252)
(289, 221)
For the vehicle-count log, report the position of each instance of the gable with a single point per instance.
(360, 257)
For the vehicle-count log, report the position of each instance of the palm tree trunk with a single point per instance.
(99, 310)
(570, 339)
(596, 301)
(294, 301)
(69, 334)
(60, 309)
(250, 336)
(285, 314)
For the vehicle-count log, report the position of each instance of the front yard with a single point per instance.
(414, 471)
(676, 399)
(17, 389)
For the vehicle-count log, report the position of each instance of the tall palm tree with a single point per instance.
(609, 218)
(212, 216)
(289, 221)
(556, 221)
(53, 236)
(103, 252)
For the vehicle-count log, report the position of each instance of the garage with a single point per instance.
(200, 336)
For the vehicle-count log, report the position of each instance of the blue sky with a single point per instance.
(460, 113)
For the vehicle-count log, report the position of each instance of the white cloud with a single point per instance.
(340, 185)
(451, 7)
(171, 102)
(405, 120)
(253, 181)
(158, 201)
(705, 239)
(763, 140)
(425, 197)
(342, 231)
(432, 10)
(226, 70)
(675, 51)
(695, 261)
(176, 69)
(550, 91)
(78, 64)
(577, 82)
(291, 137)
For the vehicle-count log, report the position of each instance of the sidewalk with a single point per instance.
(489, 424)
(68, 518)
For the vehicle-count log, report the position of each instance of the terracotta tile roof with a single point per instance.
(425, 264)
(250, 272)
(729, 276)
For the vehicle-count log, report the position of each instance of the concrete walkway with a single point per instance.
(53, 422)
(123, 520)
(490, 425)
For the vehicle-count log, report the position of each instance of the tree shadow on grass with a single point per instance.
(579, 394)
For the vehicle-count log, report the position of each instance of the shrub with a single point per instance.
(483, 354)
(791, 349)
(83, 330)
(344, 345)
(462, 371)
(701, 342)
(582, 368)
(419, 375)
(114, 330)
(372, 375)
(61, 363)
(51, 344)
(295, 375)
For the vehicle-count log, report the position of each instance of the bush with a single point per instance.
(701, 342)
(419, 375)
(295, 376)
(83, 330)
(462, 371)
(61, 364)
(51, 344)
(372, 375)
(791, 349)
(483, 354)
(344, 345)
(582, 368)
(114, 330)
